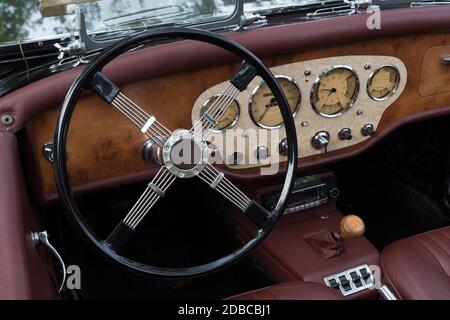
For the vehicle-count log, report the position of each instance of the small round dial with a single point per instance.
(263, 107)
(383, 82)
(335, 91)
(229, 117)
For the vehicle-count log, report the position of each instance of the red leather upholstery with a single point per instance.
(295, 290)
(288, 246)
(23, 274)
(419, 267)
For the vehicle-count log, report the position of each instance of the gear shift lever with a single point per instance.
(330, 244)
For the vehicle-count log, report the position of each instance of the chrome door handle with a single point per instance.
(39, 238)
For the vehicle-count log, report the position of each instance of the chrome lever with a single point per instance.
(39, 238)
(386, 293)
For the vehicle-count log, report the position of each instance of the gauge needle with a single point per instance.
(332, 90)
(273, 103)
(264, 114)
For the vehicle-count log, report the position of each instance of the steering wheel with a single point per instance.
(166, 142)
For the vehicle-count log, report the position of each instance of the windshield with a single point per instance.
(256, 5)
(24, 20)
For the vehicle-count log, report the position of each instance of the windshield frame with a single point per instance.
(230, 22)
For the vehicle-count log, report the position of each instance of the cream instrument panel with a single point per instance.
(336, 102)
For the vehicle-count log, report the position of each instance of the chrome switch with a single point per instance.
(283, 147)
(345, 134)
(368, 130)
(320, 141)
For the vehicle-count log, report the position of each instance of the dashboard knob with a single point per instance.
(345, 134)
(283, 147)
(49, 150)
(262, 153)
(368, 130)
(321, 140)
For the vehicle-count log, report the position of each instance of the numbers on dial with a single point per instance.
(383, 82)
(335, 91)
(263, 107)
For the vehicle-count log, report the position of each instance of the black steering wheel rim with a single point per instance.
(60, 156)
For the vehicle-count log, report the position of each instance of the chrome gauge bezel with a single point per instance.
(369, 81)
(315, 87)
(232, 124)
(255, 91)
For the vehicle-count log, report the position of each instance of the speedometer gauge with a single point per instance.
(263, 107)
(335, 91)
(383, 82)
(229, 117)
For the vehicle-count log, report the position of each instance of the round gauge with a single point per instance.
(229, 117)
(383, 82)
(263, 107)
(335, 91)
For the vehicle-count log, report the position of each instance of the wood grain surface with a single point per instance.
(103, 144)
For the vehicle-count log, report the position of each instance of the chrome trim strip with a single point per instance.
(149, 123)
(210, 119)
(156, 189)
(387, 293)
(217, 180)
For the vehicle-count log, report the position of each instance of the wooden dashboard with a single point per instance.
(104, 146)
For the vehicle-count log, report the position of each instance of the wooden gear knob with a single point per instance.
(351, 226)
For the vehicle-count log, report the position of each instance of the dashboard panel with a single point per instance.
(342, 98)
(107, 152)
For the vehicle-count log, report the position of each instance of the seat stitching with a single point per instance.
(444, 235)
(436, 241)
(431, 253)
(443, 249)
(443, 229)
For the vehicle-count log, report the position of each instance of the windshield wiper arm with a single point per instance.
(320, 9)
(293, 8)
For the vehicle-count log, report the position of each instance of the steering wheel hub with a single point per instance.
(185, 154)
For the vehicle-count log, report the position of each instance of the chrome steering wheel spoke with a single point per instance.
(218, 182)
(211, 117)
(145, 122)
(155, 191)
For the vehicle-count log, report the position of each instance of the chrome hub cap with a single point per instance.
(185, 154)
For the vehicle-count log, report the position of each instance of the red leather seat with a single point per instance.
(419, 267)
(295, 290)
